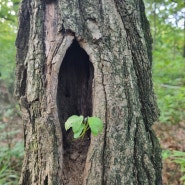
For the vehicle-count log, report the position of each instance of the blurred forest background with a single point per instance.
(167, 21)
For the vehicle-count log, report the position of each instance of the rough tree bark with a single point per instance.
(89, 57)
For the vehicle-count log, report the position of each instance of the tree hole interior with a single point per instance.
(74, 97)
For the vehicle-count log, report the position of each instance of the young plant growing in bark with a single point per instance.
(80, 125)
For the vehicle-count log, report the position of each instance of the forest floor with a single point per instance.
(171, 137)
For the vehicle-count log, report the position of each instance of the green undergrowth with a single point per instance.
(10, 164)
(11, 142)
(169, 84)
(11, 155)
(177, 157)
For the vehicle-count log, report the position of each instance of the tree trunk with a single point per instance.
(86, 58)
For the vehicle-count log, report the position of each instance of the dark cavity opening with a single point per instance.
(74, 97)
(46, 180)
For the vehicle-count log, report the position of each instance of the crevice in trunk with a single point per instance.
(74, 97)
(46, 180)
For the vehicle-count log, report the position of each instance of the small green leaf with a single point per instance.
(76, 126)
(73, 119)
(77, 133)
(95, 125)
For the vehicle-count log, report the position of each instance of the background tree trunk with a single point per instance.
(91, 58)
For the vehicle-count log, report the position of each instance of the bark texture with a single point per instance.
(90, 57)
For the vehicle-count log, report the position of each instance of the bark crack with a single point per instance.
(105, 125)
(135, 153)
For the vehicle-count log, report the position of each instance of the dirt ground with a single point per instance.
(171, 137)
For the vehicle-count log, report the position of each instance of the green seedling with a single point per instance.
(81, 125)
